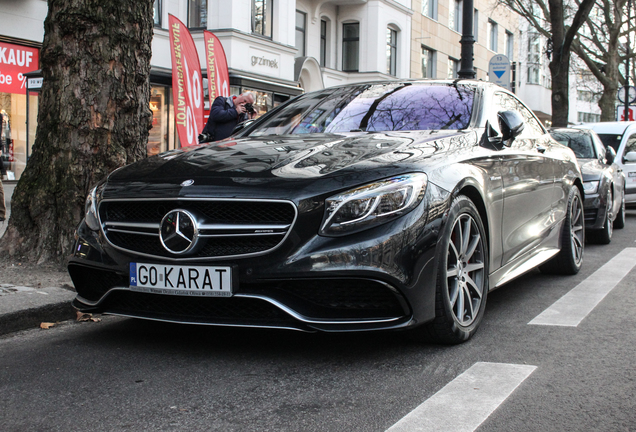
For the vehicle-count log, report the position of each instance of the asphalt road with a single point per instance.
(128, 375)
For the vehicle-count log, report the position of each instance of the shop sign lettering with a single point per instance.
(262, 61)
(15, 61)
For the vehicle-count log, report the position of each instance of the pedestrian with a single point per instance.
(225, 114)
(3, 207)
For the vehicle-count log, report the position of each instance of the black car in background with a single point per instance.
(603, 182)
(384, 205)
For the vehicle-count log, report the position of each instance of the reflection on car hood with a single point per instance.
(293, 157)
(591, 169)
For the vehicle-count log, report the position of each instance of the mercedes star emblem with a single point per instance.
(178, 231)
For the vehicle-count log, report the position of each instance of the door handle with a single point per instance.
(541, 149)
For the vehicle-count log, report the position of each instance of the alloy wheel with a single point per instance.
(465, 270)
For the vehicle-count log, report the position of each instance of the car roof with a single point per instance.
(618, 128)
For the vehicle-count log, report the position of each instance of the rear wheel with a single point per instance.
(462, 275)
(604, 235)
(570, 258)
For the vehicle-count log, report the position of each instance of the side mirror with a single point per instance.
(630, 157)
(610, 155)
(511, 124)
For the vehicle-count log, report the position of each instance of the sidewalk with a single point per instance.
(25, 305)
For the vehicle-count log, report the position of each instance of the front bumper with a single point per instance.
(381, 278)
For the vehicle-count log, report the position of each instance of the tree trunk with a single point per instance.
(93, 117)
(559, 69)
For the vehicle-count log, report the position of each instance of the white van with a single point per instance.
(621, 136)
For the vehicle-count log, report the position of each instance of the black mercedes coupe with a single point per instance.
(373, 206)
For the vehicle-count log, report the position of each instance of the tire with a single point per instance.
(604, 235)
(462, 276)
(569, 260)
(619, 222)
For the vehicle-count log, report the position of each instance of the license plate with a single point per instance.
(181, 280)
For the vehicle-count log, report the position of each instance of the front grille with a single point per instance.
(92, 283)
(217, 310)
(227, 227)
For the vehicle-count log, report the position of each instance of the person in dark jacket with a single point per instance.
(225, 114)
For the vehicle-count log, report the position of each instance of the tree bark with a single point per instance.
(93, 117)
(562, 39)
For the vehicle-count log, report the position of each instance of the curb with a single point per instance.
(23, 308)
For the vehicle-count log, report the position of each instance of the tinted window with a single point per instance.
(374, 108)
(611, 140)
(580, 143)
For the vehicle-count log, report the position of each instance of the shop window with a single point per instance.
(197, 14)
(350, 47)
(263, 102)
(158, 135)
(391, 51)
(301, 23)
(156, 8)
(428, 62)
(262, 17)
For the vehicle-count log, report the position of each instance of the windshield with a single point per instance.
(580, 143)
(611, 140)
(373, 108)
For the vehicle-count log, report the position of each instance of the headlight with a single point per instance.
(590, 187)
(90, 210)
(372, 204)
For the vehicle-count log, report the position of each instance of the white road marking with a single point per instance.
(573, 307)
(464, 403)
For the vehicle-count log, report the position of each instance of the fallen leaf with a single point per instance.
(86, 317)
(46, 325)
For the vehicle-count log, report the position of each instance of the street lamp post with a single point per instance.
(467, 41)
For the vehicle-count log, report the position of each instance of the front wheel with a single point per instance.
(570, 258)
(619, 222)
(604, 235)
(462, 275)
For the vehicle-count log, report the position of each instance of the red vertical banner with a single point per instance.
(187, 87)
(218, 75)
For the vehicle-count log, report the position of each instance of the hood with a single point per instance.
(286, 158)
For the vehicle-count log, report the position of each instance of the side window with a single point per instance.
(505, 102)
(630, 146)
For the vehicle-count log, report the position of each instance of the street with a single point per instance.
(125, 374)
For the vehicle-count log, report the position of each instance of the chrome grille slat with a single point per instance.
(227, 228)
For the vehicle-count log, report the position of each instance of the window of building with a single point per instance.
(350, 47)
(323, 43)
(589, 117)
(428, 62)
(534, 58)
(156, 9)
(429, 8)
(197, 14)
(510, 45)
(492, 35)
(475, 24)
(453, 67)
(455, 15)
(301, 24)
(262, 17)
(391, 51)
